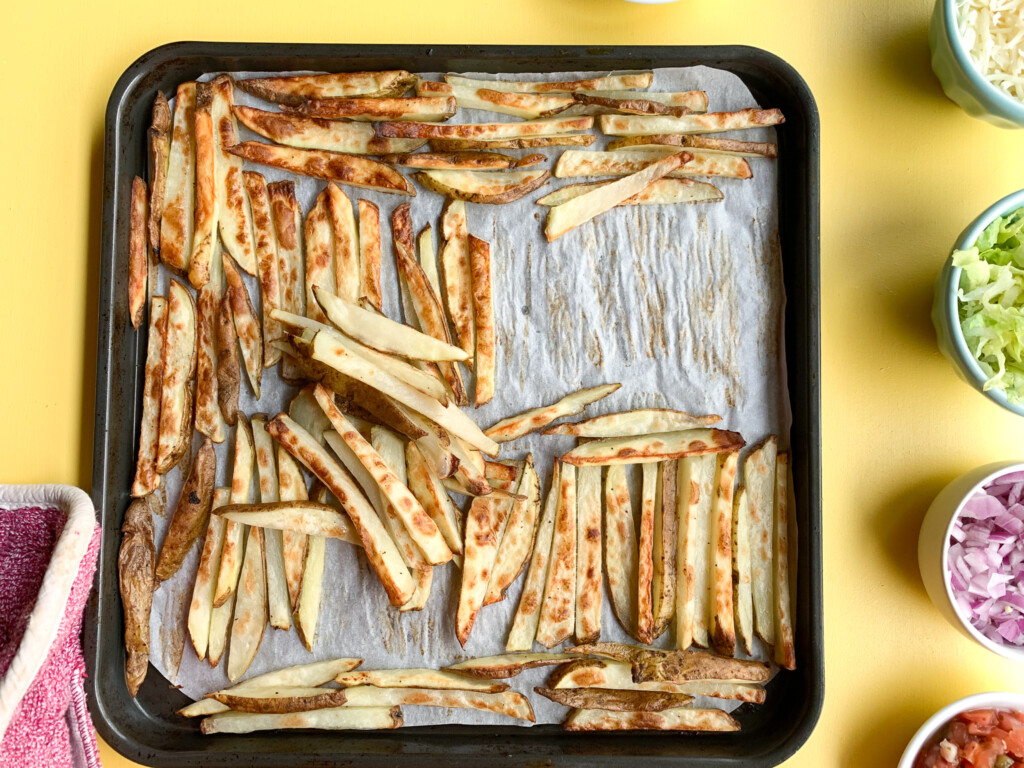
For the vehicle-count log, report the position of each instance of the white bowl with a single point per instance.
(936, 722)
(933, 549)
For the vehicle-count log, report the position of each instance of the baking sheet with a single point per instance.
(681, 304)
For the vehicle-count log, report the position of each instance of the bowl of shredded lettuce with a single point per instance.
(979, 304)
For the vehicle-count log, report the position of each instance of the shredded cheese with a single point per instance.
(992, 31)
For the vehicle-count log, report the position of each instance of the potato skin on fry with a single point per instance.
(137, 579)
(615, 700)
(138, 259)
(191, 513)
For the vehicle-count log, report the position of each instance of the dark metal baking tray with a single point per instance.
(147, 730)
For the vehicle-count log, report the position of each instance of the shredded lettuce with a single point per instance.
(991, 303)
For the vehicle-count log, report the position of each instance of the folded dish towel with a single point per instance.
(48, 545)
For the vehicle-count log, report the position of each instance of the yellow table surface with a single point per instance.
(903, 171)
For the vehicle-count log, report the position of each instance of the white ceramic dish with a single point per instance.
(936, 722)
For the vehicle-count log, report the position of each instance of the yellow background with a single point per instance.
(903, 170)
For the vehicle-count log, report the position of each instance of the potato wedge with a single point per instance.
(147, 479)
(432, 679)
(319, 255)
(507, 665)
(695, 101)
(678, 666)
(315, 673)
(663, 583)
(209, 419)
(783, 652)
(429, 109)
(591, 104)
(721, 621)
(287, 217)
(278, 601)
(380, 549)
(657, 447)
(234, 532)
(452, 161)
(743, 604)
(661, 192)
(706, 144)
(316, 698)
(526, 105)
(336, 719)
(267, 265)
(554, 126)
(508, 703)
(307, 609)
(369, 254)
(535, 419)
(190, 513)
(575, 163)
(353, 170)
(177, 219)
(199, 612)
(292, 487)
(562, 218)
(427, 489)
(306, 517)
(588, 554)
(204, 235)
(486, 352)
(229, 375)
(645, 555)
(620, 548)
(138, 258)
(346, 243)
(525, 142)
(643, 421)
(607, 83)
(136, 560)
(300, 132)
(557, 616)
(220, 629)
(158, 139)
(759, 478)
(178, 367)
(675, 719)
(517, 542)
(487, 187)
(250, 615)
(455, 266)
(296, 89)
(618, 675)
(306, 412)
(695, 483)
(710, 122)
(615, 700)
(234, 218)
(247, 326)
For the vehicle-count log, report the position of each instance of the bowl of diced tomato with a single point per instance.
(981, 731)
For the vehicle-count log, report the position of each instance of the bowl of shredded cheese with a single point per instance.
(978, 56)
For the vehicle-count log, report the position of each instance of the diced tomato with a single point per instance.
(958, 733)
(1015, 742)
(979, 716)
(990, 750)
(981, 736)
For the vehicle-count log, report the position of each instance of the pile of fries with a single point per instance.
(377, 420)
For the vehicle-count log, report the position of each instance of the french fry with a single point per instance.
(457, 275)
(429, 491)
(557, 615)
(486, 353)
(177, 220)
(250, 615)
(565, 217)
(658, 447)
(663, 584)
(209, 419)
(588, 554)
(525, 142)
(535, 419)
(199, 612)
(427, 109)
(296, 89)
(721, 621)
(138, 258)
(267, 265)
(234, 532)
(589, 104)
(229, 375)
(220, 628)
(336, 719)
(575, 163)
(204, 235)
(369, 254)
(287, 216)
(695, 482)
(618, 675)
(306, 517)
(661, 192)
(346, 243)
(428, 260)
(710, 122)
(250, 340)
(319, 254)
(507, 665)
(525, 105)
(190, 513)
(307, 610)
(316, 133)
(615, 700)
(508, 703)
(304, 700)
(517, 541)
(652, 664)
(278, 601)
(608, 83)
(179, 365)
(292, 487)
(353, 170)
(452, 161)
(709, 145)
(483, 131)
(784, 652)
(644, 421)
(380, 550)
(136, 558)
(645, 556)
(743, 603)
(432, 679)
(695, 101)
(498, 470)
(759, 477)
(159, 143)
(432, 88)
(487, 187)
(620, 548)
(307, 413)
(675, 719)
(147, 479)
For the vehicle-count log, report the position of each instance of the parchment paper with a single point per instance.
(681, 304)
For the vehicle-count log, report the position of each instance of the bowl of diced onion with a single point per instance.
(971, 554)
(978, 56)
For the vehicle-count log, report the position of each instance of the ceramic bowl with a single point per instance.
(927, 732)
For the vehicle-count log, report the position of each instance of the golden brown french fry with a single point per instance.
(159, 144)
(234, 533)
(534, 419)
(369, 253)
(557, 615)
(759, 477)
(278, 602)
(567, 216)
(267, 266)
(620, 548)
(526, 105)
(615, 700)
(292, 487)
(428, 490)
(353, 170)
(784, 651)
(296, 89)
(136, 559)
(199, 612)
(190, 513)
(380, 549)
(432, 679)
(618, 675)
(457, 276)
(721, 621)
(658, 447)
(695, 483)
(705, 143)
(229, 375)
(635, 104)
(710, 122)
(204, 235)
(305, 700)
(452, 161)
(607, 83)
(250, 615)
(588, 554)
(319, 254)
(307, 517)
(247, 326)
(335, 719)
(138, 258)
(574, 163)
(317, 133)
(147, 479)
(517, 541)
(695, 101)
(487, 187)
(743, 603)
(508, 664)
(639, 422)
(287, 216)
(428, 260)
(652, 664)
(527, 142)
(664, 191)
(487, 131)
(177, 220)
(432, 88)
(179, 365)
(346, 243)
(663, 583)
(374, 109)
(234, 218)
(645, 556)
(209, 420)
(508, 703)
(485, 353)
(675, 719)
